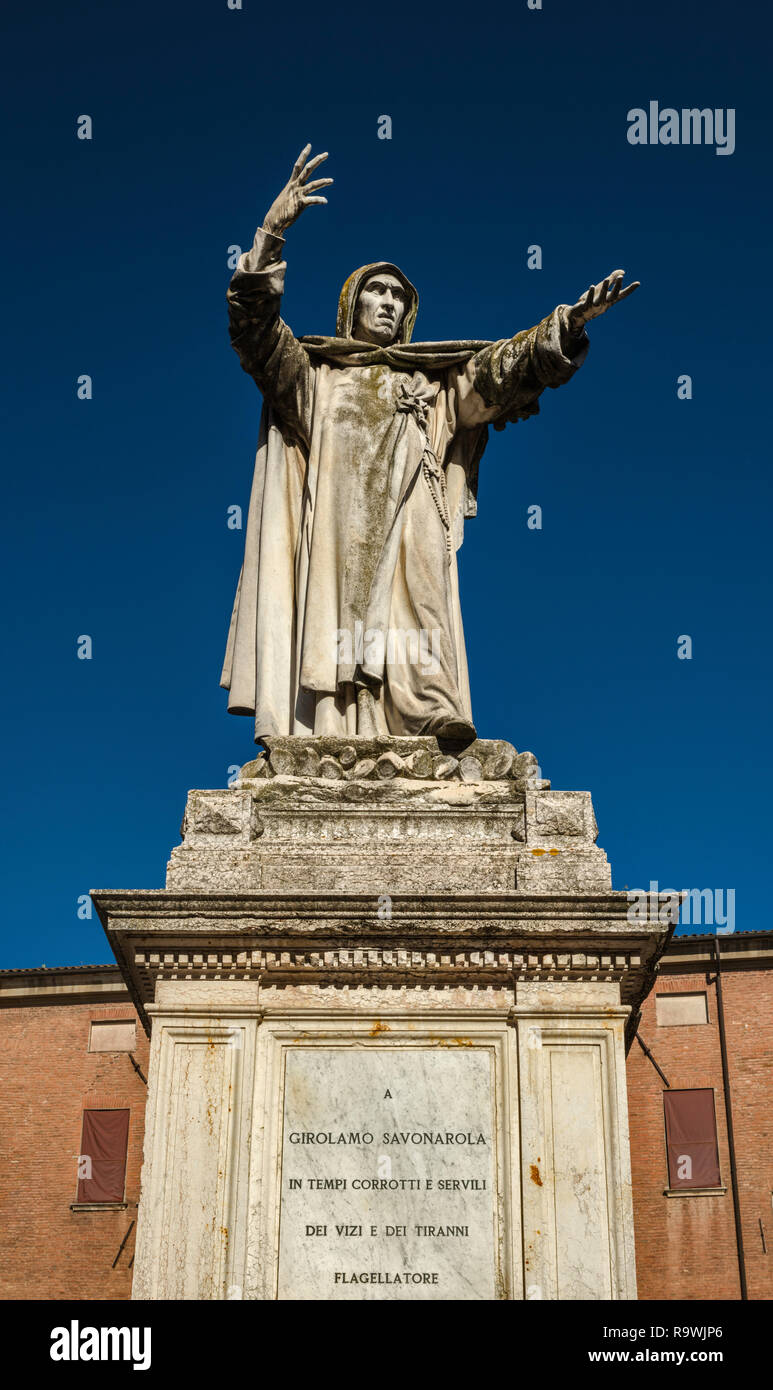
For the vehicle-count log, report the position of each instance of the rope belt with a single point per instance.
(415, 401)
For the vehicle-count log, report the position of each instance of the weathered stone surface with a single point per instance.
(420, 763)
(259, 767)
(214, 823)
(364, 768)
(388, 765)
(525, 767)
(500, 765)
(430, 938)
(540, 1030)
(411, 758)
(310, 764)
(403, 1237)
(470, 768)
(444, 767)
(324, 940)
(559, 815)
(371, 828)
(283, 759)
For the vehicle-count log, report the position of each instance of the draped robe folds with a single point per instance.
(365, 472)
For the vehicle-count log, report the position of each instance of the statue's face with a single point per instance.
(380, 309)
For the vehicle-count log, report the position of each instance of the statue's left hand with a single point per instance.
(599, 298)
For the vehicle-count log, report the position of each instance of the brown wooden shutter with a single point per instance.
(691, 1139)
(103, 1143)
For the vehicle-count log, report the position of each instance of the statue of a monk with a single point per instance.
(347, 617)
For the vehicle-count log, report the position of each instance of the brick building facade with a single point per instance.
(51, 1244)
(686, 1243)
(68, 1047)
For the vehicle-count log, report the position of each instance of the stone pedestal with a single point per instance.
(389, 989)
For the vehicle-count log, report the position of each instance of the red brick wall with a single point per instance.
(47, 1079)
(686, 1246)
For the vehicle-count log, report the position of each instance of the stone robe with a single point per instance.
(365, 472)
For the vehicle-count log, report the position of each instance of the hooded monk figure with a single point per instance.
(347, 617)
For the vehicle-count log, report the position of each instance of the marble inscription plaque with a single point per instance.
(388, 1172)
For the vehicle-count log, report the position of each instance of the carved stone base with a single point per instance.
(431, 964)
(397, 825)
(381, 758)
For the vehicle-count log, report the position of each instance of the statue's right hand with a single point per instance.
(297, 193)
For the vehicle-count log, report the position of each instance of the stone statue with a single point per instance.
(347, 617)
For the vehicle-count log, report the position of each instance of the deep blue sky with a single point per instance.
(509, 128)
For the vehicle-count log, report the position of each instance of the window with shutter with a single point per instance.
(102, 1159)
(691, 1139)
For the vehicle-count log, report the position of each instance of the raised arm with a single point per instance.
(267, 348)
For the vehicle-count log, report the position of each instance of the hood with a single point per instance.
(348, 300)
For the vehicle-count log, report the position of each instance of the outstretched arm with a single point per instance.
(268, 350)
(504, 382)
